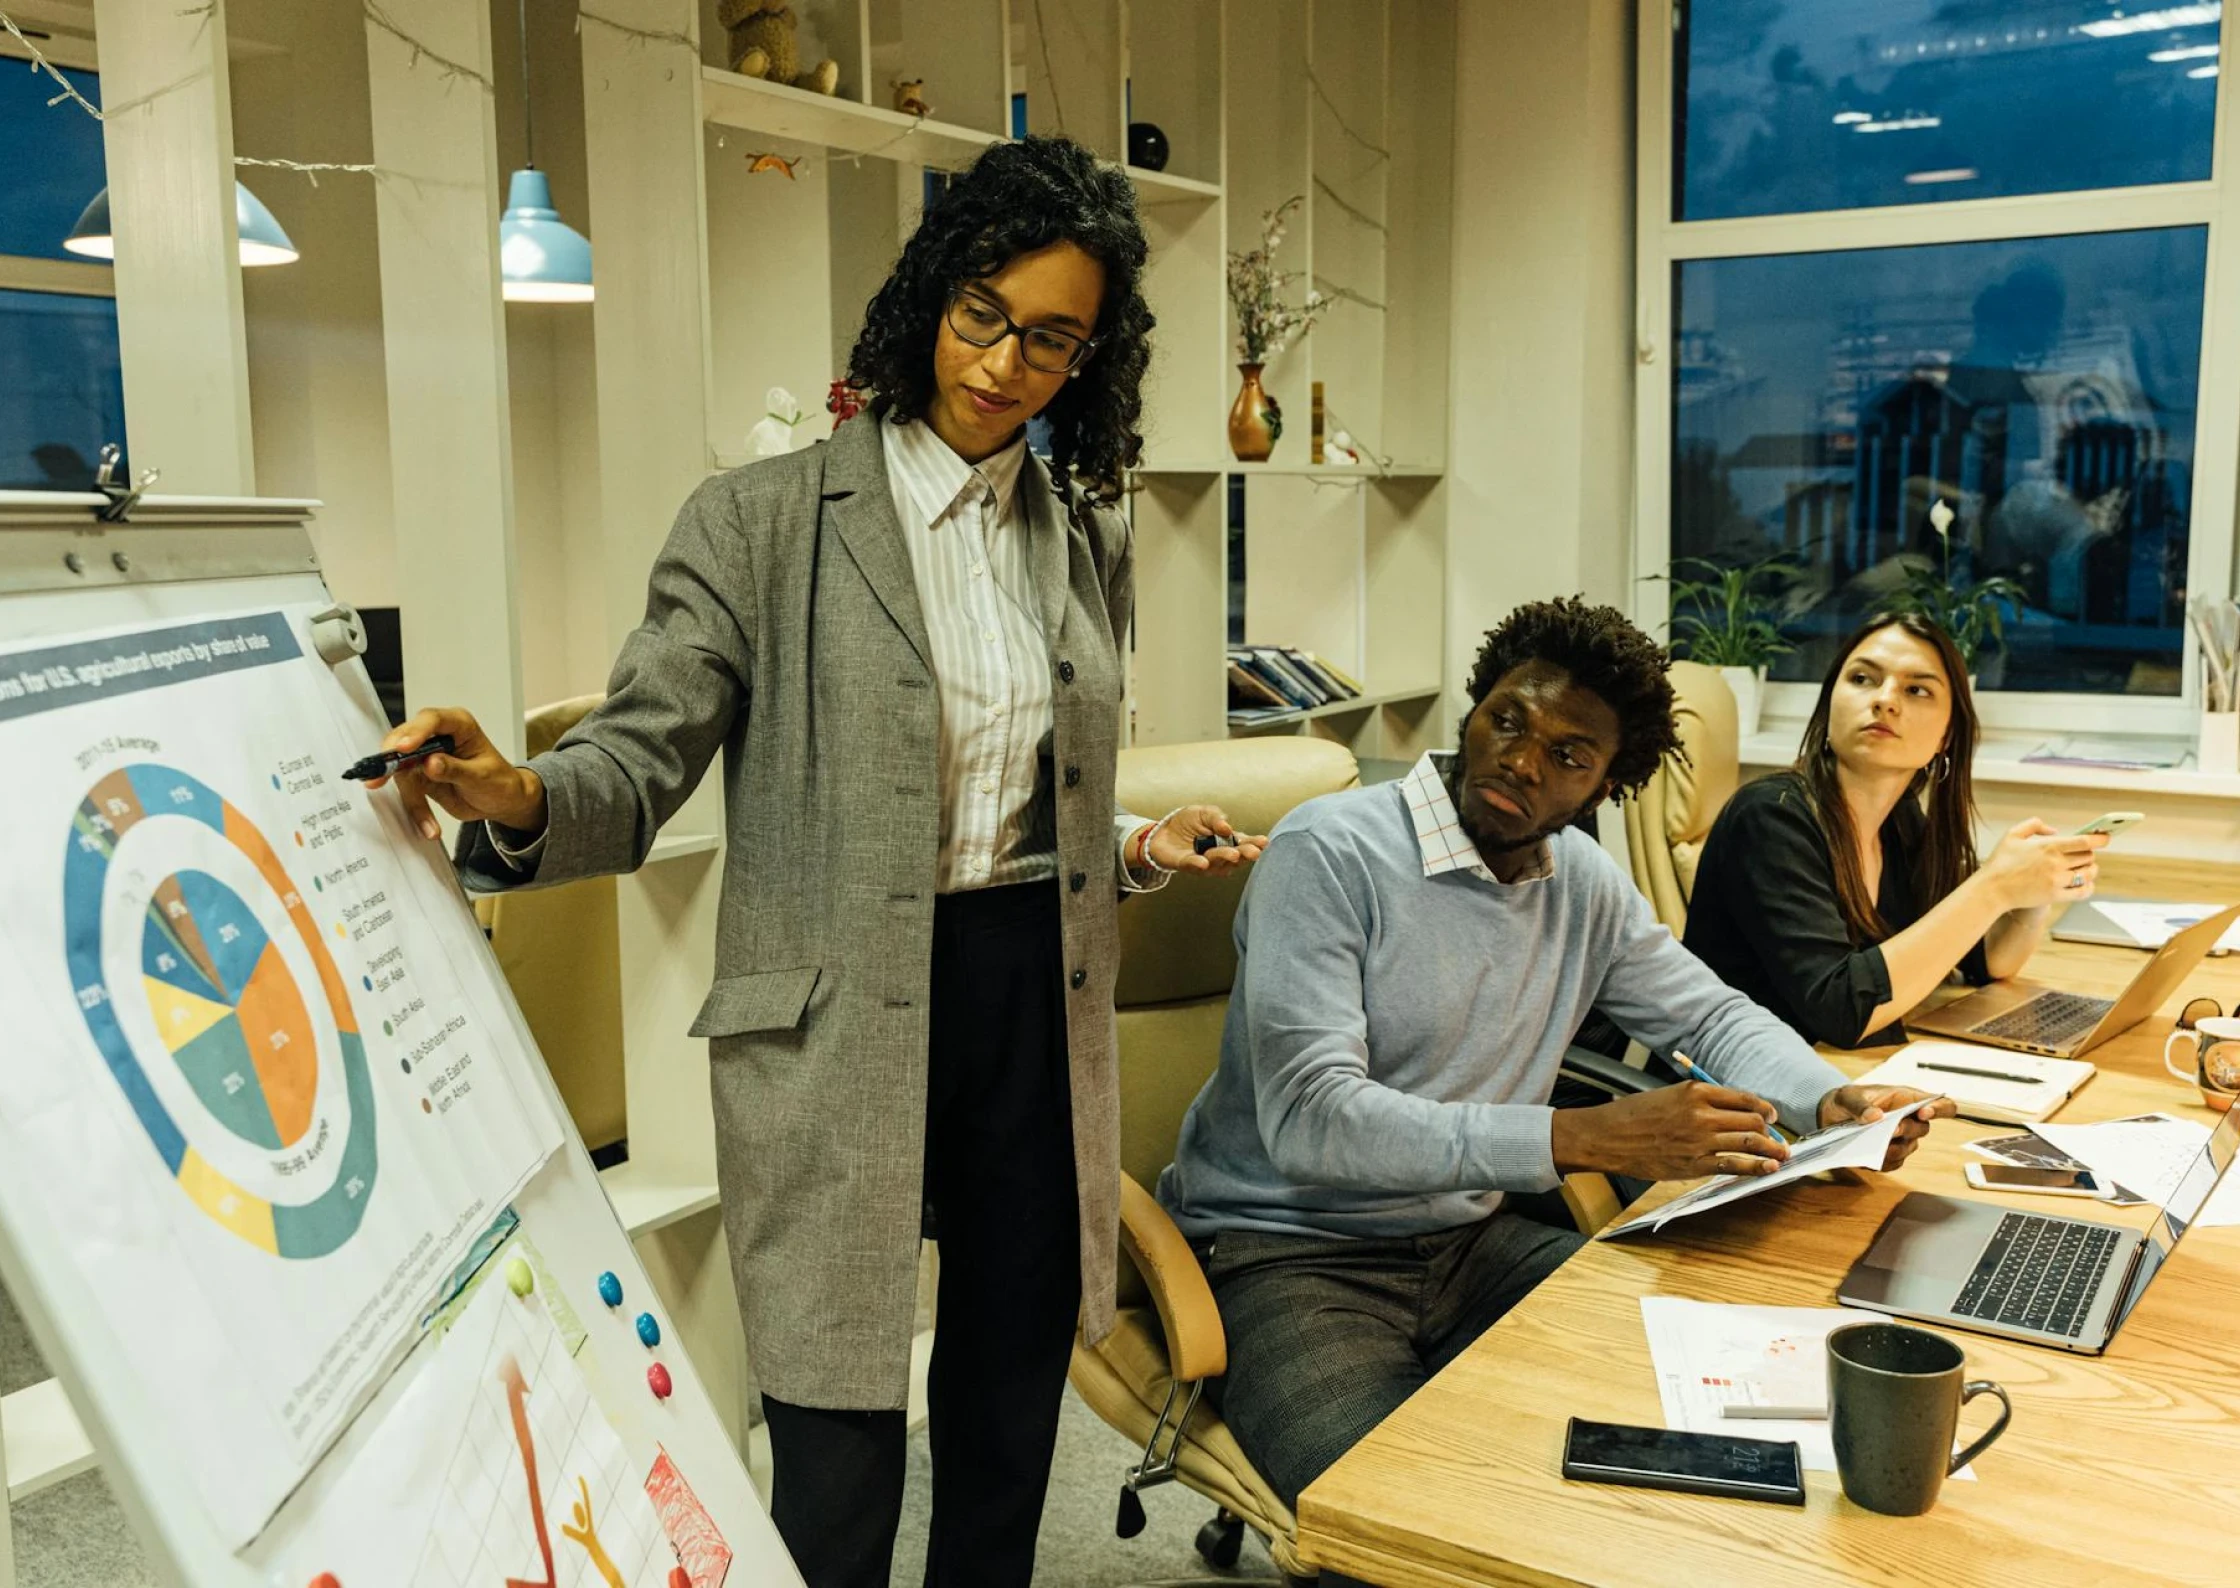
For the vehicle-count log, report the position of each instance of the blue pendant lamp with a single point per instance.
(262, 240)
(541, 259)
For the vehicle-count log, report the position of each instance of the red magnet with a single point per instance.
(657, 1379)
(325, 1579)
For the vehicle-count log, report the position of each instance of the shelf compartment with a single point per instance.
(1339, 708)
(644, 1203)
(774, 110)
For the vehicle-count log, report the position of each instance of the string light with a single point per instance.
(444, 64)
(641, 35)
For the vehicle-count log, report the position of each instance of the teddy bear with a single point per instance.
(762, 45)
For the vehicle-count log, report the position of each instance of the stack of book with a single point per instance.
(1267, 682)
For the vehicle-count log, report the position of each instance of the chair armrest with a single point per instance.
(1613, 1076)
(1197, 1346)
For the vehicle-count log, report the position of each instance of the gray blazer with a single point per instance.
(782, 626)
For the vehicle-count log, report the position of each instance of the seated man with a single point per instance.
(1413, 959)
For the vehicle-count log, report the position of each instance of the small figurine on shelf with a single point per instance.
(763, 45)
(843, 402)
(910, 96)
(772, 435)
(1339, 449)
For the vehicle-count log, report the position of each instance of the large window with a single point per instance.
(1793, 105)
(1898, 253)
(2042, 388)
(61, 388)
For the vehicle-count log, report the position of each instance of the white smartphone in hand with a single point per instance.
(2111, 824)
(2045, 1182)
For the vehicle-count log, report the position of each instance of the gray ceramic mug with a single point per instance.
(1894, 1399)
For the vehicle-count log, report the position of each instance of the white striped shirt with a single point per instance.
(970, 548)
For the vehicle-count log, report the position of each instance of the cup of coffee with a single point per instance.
(1894, 1399)
(2216, 1058)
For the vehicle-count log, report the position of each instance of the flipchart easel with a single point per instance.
(71, 563)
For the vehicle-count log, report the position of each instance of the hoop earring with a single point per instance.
(1940, 768)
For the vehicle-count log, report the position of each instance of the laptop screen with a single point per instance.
(2185, 1206)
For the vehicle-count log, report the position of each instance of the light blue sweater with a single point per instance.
(1393, 1038)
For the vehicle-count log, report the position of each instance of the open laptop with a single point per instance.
(2027, 1276)
(2035, 1018)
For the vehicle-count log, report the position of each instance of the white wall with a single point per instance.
(318, 398)
(318, 401)
(1539, 466)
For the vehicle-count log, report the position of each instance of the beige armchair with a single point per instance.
(1668, 822)
(560, 949)
(1177, 962)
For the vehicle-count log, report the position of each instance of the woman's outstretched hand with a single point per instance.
(475, 782)
(1175, 844)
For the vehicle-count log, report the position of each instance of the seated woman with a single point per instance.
(1839, 893)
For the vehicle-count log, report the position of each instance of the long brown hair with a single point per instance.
(1944, 789)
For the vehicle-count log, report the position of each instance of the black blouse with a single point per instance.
(1764, 914)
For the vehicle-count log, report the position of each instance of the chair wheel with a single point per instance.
(1221, 1540)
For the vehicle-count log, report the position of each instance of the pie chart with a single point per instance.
(228, 1013)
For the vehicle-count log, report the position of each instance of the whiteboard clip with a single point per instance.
(338, 634)
(122, 498)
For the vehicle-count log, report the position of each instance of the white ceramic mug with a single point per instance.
(2216, 1056)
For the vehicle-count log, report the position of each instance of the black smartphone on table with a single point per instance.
(1671, 1458)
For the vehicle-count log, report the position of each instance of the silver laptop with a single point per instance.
(2027, 1276)
(2085, 923)
(2035, 1018)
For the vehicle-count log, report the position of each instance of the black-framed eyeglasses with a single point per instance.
(1045, 348)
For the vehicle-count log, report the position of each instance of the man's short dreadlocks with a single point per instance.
(1603, 652)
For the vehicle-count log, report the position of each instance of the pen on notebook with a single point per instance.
(1696, 1072)
(1769, 1413)
(1981, 1075)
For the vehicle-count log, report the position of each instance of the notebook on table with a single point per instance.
(1991, 1084)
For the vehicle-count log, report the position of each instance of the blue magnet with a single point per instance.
(610, 1289)
(648, 1330)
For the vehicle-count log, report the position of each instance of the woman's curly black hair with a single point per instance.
(1603, 652)
(1018, 197)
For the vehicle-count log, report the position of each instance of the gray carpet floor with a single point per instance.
(73, 1535)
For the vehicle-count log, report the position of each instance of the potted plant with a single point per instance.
(1727, 620)
(1266, 325)
(1971, 611)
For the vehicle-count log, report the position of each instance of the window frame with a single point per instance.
(1662, 244)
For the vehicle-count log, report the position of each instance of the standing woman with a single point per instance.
(908, 644)
(1840, 893)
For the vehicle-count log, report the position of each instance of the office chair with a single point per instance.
(560, 949)
(1177, 963)
(1667, 822)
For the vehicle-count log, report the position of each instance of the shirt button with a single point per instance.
(1065, 672)
(1080, 980)
(987, 785)
(997, 712)
(1073, 776)
(977, 570)
(989, 635)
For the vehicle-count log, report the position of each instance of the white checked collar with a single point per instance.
(936, 477)
(1446, 847)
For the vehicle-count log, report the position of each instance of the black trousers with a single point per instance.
(999, 1180)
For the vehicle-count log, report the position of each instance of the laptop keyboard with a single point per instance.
(2038, 1273)
(2048, 1020)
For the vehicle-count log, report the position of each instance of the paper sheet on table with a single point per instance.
(2152, 924)
(2148, 1154)
(1708, 1356)
(1839, 1147)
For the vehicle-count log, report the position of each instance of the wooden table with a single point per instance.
(2118, 1468)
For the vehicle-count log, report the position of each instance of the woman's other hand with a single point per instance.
(473, 783)
(1175, 844)
(2035, 866)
